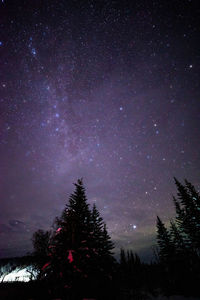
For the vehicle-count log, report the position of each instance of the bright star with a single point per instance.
(33, 51)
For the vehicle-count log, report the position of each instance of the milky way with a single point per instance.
(104, 90)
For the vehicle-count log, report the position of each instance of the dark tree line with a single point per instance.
(179, 245)
(75, 258)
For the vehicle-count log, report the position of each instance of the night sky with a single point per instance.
(104, 90)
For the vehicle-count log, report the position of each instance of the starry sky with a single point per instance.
(104, 90)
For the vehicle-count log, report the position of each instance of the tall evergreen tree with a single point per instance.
(179, 247)
(107, 244)
(97, 228)
(164, 241)
(185, 230)
(80, 246)
(176, 237)
(188, 215)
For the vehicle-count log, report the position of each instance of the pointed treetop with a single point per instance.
(79, 182)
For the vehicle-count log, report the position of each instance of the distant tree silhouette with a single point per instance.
(131, 274)
(41, 241)
(6, 268)
(130, 264)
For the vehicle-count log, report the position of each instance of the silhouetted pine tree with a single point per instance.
(188, 215)
(80, 246)
(107, 244)
(181, 257)
(166, 253)
(123, 261)
(97, 229)
(166, 248)
(179, 247)
(176, 238)
(102, 242)
(184, 234)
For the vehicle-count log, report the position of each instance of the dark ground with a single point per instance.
(35, 290)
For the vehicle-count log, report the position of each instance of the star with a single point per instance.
(33, 51)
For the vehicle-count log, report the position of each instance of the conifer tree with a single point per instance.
(123, 261)
(97, 228)
(107, 244)
(80, 246)
(179, 247)
(40, 240)
(188, 215)
(164, 242)
(176, 237)
(184, 233)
